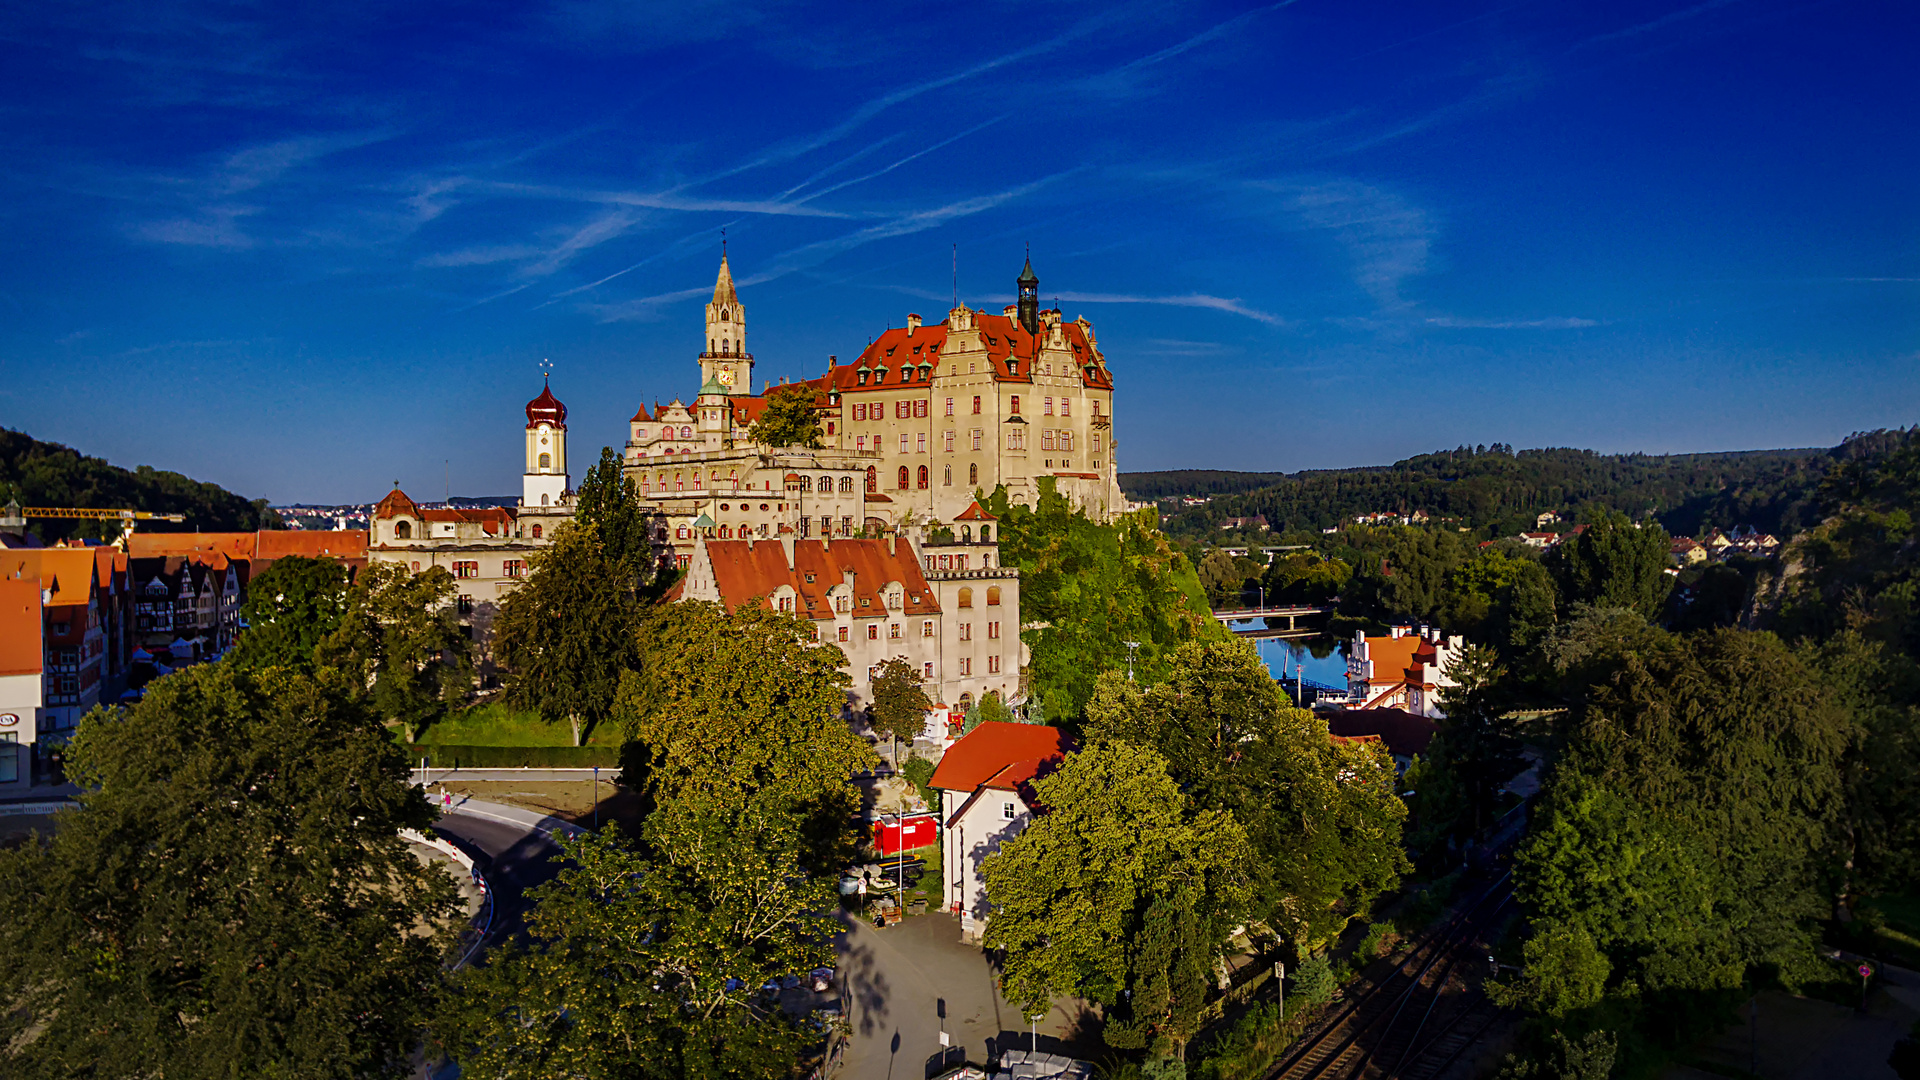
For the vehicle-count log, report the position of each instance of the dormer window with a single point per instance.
(1013, 366)
(863, 378)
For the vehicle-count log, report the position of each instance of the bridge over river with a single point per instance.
(1257, 627)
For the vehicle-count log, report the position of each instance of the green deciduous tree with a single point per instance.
(568, 634)
(608, 505)
(1304, 577)
(292, 606)
(1321, 817)
(1502, 600)
(899, 707)
(1693, 820)
(401, 645)
(791, 418)
(745, 704)
(1089, 588)
(231, 899)
(651, 968)
(1115, 893)
(1614, 563)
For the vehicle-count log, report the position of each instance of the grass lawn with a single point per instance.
(496, 725)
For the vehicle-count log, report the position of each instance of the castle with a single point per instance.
(919, 425)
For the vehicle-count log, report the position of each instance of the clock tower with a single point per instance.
(726, 360)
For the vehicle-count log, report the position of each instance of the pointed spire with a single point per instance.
(723, 292)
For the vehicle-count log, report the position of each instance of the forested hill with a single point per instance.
(49, 474)
(1504, 489)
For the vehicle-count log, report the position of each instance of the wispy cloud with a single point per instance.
(659, 200)
(484, 255)
(1230, 305)
(1652, 25)
(1121, 80)
(915, 156)
(1560, 323)
(212, 226)
(1387, 238)
(1177, 347)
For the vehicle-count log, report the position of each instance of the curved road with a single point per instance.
(514, 858)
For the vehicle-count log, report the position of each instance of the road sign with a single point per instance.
(1866, 971)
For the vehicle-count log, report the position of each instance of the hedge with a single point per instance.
(451, 756)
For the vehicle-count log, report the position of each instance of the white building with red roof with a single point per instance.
(1406, 669)
(924, 418)
(986, 799)
(23, 689)
(947, 607)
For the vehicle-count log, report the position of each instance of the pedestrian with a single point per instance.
(446, 800)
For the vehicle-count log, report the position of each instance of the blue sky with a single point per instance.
(307, 250)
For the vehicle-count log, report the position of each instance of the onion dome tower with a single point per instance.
(546, 482)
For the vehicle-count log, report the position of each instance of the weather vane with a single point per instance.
(546, 369)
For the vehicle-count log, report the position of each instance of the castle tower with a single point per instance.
(546, 482)
(726, 360)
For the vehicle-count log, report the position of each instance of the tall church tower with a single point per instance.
(727, 361)
(1029, 284)
(546, 482)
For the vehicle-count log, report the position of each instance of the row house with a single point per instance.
(23, 688)
(944, 604)
(186, 606)
(77, 605)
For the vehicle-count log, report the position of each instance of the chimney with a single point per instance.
(913, 323)
(786, 545)
(832, 362)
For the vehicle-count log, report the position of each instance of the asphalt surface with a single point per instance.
(513, 858)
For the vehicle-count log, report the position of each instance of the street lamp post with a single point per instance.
(1131, 645)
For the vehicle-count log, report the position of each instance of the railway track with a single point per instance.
(1404, 1025)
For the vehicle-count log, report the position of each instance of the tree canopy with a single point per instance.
(1321, 817)
(900, 706)
(292, 606)
(608, 505)
(568, 634)
(791, 419)
(1122, 893)
(231, 899)
(401, 645)
(1090, 588)
(49, 474)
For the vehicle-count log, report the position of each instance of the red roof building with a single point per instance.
(986, 798)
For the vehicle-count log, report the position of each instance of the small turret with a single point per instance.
(1029, 305)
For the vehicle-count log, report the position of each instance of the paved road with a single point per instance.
(513, 857)
(896, 984)
(436, 775)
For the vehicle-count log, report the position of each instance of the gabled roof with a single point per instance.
(1002, 335)
(66, 575)
(745, 570)
(21, 651)
(999, 755)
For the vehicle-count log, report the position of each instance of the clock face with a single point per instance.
(725, 376)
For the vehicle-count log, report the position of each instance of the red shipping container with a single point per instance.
(904, 834)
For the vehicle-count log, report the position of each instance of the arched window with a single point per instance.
(873, 479)
(973, 476)
(966, 597)
(686, 433)
(986, 534)
(546, 461)
(536, 532)
(993, 596)
(903, 478)
(543, 500)
(726, 532)
(923, 478)
(966, 534)
(725, 346)
(403, 530)
(826, 485)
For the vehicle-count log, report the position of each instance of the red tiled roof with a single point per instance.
(999, 755)
(975, 512)
(744, 571)
(1405, 733)
(316, 544)
(67, 573)
(20, 623)
(1002, 335)
(234, 545)
(395, 504)
(641, 415)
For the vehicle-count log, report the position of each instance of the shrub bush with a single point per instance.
(513, 757)
(1314, 981)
